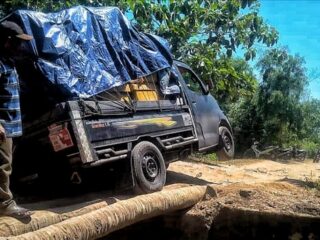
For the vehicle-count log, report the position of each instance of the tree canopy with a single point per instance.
(278, 113)
(283, 83)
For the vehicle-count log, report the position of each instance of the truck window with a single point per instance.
(191, 80)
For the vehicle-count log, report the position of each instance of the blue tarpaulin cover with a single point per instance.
(86, 50)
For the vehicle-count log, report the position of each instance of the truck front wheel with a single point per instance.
(149, 167)
(226, 150)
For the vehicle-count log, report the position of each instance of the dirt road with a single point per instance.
(247, 199)
(291, 187)
(275, 176)
(247, 171)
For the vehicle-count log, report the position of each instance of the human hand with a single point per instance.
(2, 134)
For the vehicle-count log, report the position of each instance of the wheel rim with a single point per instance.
(150, 166)
(227, 141)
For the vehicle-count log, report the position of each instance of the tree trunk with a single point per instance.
(12, 227)
(101, 222)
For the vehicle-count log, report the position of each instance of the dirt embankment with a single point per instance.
(257, 184)
(252, 199)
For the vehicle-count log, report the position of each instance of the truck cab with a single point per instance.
(213, 129)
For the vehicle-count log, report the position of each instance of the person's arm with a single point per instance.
(2, 130)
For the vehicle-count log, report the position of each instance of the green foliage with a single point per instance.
(55, 5)
(276, 113)
(218, 24)
(283, 83)
(246, 122)
(311, 120)
(308, 145)
(205, 158)
(205, 34)
(232, 77)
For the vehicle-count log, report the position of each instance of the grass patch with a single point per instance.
(210, 159)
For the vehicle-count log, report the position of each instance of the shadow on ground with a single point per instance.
(174, 177)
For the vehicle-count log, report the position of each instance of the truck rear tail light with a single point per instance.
(60, 137)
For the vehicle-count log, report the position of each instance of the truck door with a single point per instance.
(204, 108)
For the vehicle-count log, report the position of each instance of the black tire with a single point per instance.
(249, 154)
(273, 156)
(286, 157)
(302, 156)
(226, 143)
(148, 167)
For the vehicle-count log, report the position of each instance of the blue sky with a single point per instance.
(298, 22)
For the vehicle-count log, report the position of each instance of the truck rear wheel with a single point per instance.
(149, 167)
(226, 150)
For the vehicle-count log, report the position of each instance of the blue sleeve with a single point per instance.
(3, 68)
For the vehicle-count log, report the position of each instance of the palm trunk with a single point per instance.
(101, 222)
(12, 227)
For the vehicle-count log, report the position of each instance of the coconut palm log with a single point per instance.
(101, 222)
(12, 227)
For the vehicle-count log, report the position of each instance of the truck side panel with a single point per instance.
(138, 125)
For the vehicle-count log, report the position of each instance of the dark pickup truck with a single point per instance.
(138, 126)
(95, 91)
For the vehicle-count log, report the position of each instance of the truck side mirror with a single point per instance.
(206, 89)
